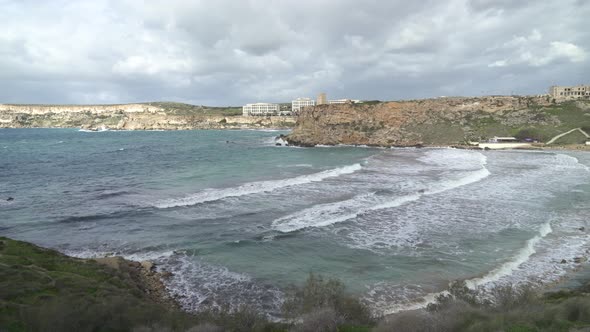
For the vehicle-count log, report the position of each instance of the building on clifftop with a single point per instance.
(260, 109)
(322, 99)
(299, 103)
(570, 92)
(344, 101)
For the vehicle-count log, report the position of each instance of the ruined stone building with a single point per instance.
(570, 92)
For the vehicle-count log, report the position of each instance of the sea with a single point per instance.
(238, 220)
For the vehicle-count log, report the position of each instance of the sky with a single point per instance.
(232, 52)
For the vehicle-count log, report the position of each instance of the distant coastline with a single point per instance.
(139, 116)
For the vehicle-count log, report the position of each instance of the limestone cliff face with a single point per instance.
(92, 109)
(129, 117)
(440, 121)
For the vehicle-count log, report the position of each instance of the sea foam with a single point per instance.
(507, 268)
(331, 213)
(209, 195)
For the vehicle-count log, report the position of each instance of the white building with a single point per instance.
(299, 103)
(343, 101)
(497, 139)
(260, 109)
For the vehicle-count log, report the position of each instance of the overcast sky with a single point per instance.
(219, 52)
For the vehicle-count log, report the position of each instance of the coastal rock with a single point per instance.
(142, 273)
(579, 260)
(414, 123)
(147, 265)
(563, 261)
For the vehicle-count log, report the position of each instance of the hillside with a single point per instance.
(43, 290)
(140, 116)
(440, 121)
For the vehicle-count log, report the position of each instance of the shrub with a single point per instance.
(244, 318)
(508, 297)
(319, 293)
(412, 321)
(326, 319)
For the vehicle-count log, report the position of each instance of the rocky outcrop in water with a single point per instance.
(440, 121)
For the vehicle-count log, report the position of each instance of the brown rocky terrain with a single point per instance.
(439, 121)
(144, 275)
(156, 116)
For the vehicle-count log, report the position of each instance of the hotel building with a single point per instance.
(299, 103)
(260, 109)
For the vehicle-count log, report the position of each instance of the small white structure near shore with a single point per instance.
(498, 146)
(497, 143)
(497, 139)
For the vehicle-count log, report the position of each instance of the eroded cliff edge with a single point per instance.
(146, 116)
(440, 121)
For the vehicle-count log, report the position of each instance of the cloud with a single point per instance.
(228, 52)
(533, 50)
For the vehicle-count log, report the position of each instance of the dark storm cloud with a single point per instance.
(232, 52)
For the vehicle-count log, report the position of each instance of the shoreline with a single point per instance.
(568, 147)
(80, 129)
(145, 275)
(152, 282)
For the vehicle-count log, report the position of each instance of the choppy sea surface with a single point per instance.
(237, 219)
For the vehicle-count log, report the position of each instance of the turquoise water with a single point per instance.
(237, 219)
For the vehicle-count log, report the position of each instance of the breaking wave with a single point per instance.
(332, 213)
(508, 267)
(209, 195)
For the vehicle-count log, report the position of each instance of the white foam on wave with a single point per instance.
(507, 268)
(567, 161)
(138, 256)
(331, 213)
(489, 279)
(420, 303)
(470, 178)
(198, 286)
(209, 195)
(328, 214)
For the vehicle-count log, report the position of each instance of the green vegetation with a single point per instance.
(43, 290)
(325, 302)
(174, 108)
(575, 137)
(540, 123)
(506, 308)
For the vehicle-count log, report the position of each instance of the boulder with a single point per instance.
(147, 265)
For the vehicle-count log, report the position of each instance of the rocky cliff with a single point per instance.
(440, 121)
(153, 116)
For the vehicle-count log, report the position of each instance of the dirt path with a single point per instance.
(566, 133)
